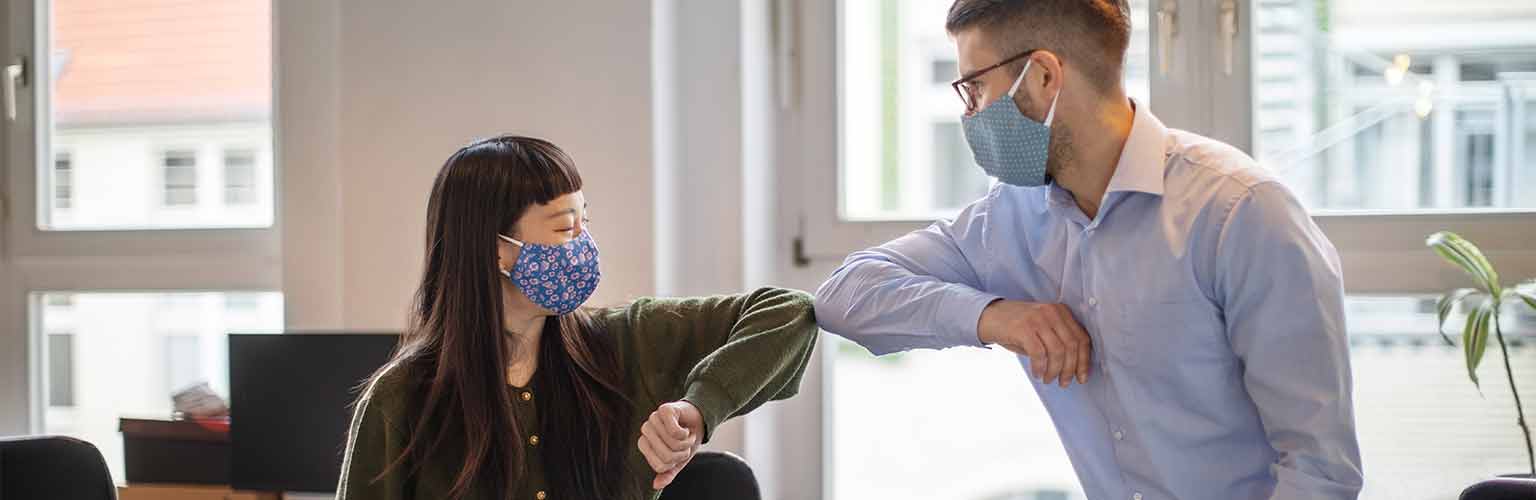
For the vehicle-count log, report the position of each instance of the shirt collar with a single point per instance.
(1143, 158)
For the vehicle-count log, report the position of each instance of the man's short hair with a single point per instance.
(1091, 35)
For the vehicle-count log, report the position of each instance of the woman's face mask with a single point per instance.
(559, 278)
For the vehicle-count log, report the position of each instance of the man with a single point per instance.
(1184, 289)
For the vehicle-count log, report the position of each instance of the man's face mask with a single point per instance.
(1007, 144)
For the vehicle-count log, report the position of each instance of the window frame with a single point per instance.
(34, 261)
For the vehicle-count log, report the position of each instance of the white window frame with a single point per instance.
(1381, 252)
(33, 260)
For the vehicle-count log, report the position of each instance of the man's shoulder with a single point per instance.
(1210, 171)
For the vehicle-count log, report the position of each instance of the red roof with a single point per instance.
(156, 61)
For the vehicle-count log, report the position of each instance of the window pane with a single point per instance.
(965, 423)
(180, 171)
(63, 181)
(902, 153)
(146, 97)
(112, 355)
(1376, 105)
(239, 177)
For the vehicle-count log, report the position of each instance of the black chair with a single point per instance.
(53, 467)
(1502, 488)
(712, 475)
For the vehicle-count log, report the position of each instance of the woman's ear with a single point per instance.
(506, 255)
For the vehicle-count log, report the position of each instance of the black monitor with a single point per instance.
(289, 398)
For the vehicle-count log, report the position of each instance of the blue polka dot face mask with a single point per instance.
(559, 278)
(1007, 144)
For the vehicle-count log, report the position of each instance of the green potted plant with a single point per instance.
(1483, 318)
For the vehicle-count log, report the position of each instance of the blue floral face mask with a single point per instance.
(1007, 144)
(559, 278)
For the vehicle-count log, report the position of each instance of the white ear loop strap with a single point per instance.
(510, 240)
(1049, 115)
(1020, 79)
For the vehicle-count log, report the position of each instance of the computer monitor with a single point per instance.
(289, 405)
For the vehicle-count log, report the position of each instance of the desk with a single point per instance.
(189, 492)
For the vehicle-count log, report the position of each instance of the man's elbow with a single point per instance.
(831, 310)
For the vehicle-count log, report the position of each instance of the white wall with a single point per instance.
(373, 96)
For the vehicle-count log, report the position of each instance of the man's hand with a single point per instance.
(669, 438)
(1057, 347)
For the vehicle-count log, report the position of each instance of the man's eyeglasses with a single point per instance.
(965, 87)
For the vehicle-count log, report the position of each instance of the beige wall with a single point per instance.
(372, 97)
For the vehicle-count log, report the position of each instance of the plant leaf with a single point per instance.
(1465, 255)
(1528, 296)
(1474, 338)
(1444, 306)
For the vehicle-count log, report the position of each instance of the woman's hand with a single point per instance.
(669, 439)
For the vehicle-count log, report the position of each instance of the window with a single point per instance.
(1413, 399)
(61, 369)
(129, 351)
(120, 256)
(239, 177)
(1355, 98)
(180, 169)
(128, 80)
(63, 181)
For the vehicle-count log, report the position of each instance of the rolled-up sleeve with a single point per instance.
(922, 290)
(1283, 296)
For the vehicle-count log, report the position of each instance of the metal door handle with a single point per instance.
(1167, 29)
(15, 76)
(1228, 11)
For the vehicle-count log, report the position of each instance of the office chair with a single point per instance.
(1502, 488)
(53, 467)
(712, 475)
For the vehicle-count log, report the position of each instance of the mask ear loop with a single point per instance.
(508, 273)
(1020, 79)
(1049, 115)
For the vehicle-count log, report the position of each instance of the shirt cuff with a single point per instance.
(961, 313)
(713, 402)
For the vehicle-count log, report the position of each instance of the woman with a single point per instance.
(504, 387)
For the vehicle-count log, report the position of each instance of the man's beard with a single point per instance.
(1059, 156)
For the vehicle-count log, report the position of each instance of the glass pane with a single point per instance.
(903, 153)
(147, 98)
(1382, 105)
(1425, 431)
(112, 355)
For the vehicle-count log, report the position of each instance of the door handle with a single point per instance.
(15, 76)
(1167, 29)
(1228, 15)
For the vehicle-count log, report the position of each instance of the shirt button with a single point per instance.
(1136, 496)
(527, 396)
(533, 440)
(540, 495)
(1119, 435)
(1093, 302)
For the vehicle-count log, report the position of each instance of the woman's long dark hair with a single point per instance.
(455, 351)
